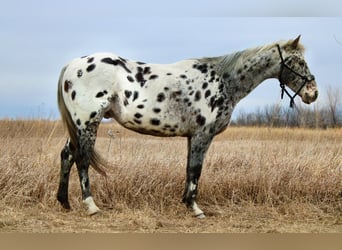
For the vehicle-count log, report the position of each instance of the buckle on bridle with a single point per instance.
(282, 84)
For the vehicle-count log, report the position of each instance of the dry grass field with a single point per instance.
(253, 180)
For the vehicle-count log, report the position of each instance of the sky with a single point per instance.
(39, 37)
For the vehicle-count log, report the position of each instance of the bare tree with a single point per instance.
(333, 101)
(321, 115)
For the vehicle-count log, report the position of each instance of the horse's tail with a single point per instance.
(96, 161)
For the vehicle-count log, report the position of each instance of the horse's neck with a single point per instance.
(244, 71)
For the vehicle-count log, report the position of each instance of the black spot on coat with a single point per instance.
(200, 120)
(91, 67)
(67, 86)
(138, 115)
(160, 97)
(100, 94)
(156, 110)
(205, 85)
(155, 122)
(109, 60)
(73, 95)
(203, 68)
(152, 77)
(197, 96)
(92, 114)
(129, 78)
(139, 77)
(137, 121)
(207, 93)
(135, 95)
(147, 70)
(128, 93)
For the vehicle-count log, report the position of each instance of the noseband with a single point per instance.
(282, 84)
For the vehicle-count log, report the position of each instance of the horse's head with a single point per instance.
(295, 73)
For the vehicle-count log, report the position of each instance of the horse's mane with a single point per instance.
(235, 60)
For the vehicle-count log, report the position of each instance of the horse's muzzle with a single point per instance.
(310, 93)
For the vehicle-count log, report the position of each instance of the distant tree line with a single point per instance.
(319, 115)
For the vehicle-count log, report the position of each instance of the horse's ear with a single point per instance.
(295, 42)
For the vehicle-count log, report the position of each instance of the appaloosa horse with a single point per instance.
(192, 98)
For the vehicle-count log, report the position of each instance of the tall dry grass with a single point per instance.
(265, 166)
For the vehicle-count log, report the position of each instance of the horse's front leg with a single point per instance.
(197, 147)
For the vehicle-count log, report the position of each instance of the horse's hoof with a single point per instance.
(94, 212)
(92, 208)
(200, 216)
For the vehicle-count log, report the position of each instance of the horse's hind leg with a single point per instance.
(86, 143)
(67, 160)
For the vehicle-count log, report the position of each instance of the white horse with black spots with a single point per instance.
(192, 98)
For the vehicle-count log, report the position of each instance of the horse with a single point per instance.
(191, 98)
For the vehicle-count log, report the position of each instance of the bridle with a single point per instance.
(282, 84)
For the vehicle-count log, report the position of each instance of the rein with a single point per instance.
(282, 84)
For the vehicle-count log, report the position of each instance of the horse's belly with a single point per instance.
(153, 125)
